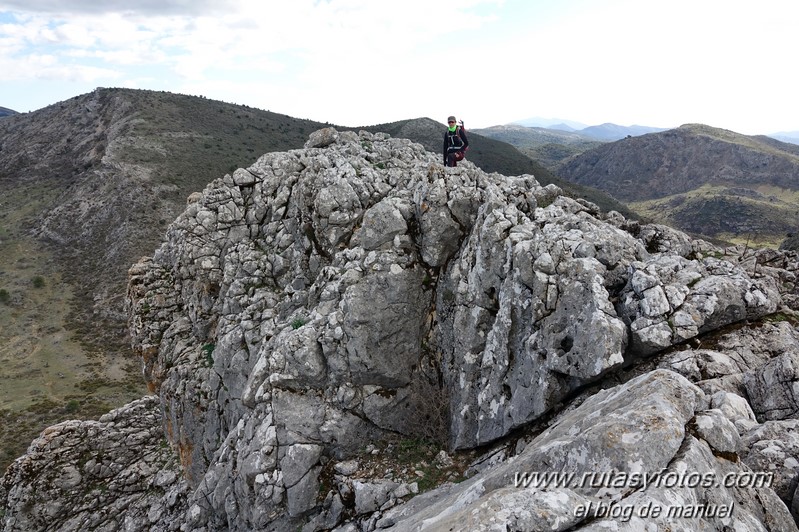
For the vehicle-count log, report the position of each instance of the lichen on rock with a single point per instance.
(356, 291)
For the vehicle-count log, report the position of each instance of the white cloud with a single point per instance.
(49, 68)
(74, 35)
(357, 62)
(143, 7)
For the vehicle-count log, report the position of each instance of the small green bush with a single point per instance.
(72, 406)
(38, 282)
(5, 297)
(208, 349)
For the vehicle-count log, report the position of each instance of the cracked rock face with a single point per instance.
(97, 475)
(639, 428)
(357, 291)
(774, 387)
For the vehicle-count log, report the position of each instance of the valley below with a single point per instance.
(48, 372)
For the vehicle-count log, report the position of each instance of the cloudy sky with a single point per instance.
(726, 63)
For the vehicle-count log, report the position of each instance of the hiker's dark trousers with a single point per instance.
(454, 156)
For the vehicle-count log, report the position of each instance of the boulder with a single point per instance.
(773, 388)
(623, 460)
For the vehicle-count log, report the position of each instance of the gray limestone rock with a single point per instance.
(533, 314)
(718, 431)
(370, 496)
(736, 409)
(98, 475)
(322, 138)
(671, 299)
(608, 465)
(773, 450)
(325, 300)
(381, 223)
(773, 388)
(384, 322)
(736, 352)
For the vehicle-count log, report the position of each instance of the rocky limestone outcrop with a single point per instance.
(115, 473)
(356, 291)
(646, 455)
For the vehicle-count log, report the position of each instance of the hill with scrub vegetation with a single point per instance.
(708, 181)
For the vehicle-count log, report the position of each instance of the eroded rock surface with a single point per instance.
(115, 473)
(626, 459)
(356, 291)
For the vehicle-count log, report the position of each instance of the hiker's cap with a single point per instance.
(451, 119)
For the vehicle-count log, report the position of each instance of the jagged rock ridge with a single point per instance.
(356, 290)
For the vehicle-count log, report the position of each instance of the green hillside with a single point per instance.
(704, 180)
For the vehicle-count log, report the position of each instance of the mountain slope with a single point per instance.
(119, 165)
(549, 146)
(608, 131)
(709, 181)
(88, 186)
(553, 123)
(4, 111)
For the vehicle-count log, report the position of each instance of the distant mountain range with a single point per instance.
(4, 111)
(551, 145)
(612, 132)
(548, 146)
(609, 132)
(787, 136)
(604, 132)
(551, 123)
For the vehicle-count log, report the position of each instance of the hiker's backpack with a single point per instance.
(459, 127)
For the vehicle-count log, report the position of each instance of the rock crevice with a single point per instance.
(355, 291)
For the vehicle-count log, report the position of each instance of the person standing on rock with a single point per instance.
(455, 142)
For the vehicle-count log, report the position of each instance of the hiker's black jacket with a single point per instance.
(454, 141)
